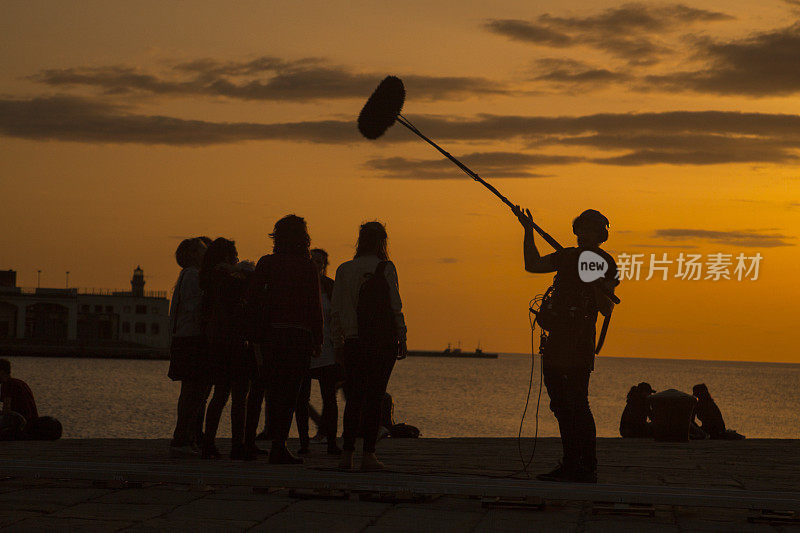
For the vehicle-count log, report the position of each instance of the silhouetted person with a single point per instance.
(323, 368)
(367, 319)
(710, 416)
(569, 350)
(188, 348)
(293, 312)
(19, 407)
(231, 364)
(201, 415)
(636, 421)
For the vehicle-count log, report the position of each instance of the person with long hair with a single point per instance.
(223, 281)
(369, 328)
(187, 348)
(290, 326)
(325, 369)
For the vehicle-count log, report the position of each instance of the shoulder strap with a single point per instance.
(380, 268)
(603, 331)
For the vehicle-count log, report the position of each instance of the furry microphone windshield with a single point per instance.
(382, 108)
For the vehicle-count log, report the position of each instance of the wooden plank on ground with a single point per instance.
(298, 477)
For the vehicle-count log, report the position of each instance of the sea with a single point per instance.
(443, 397)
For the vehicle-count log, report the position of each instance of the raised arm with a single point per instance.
(534, 262)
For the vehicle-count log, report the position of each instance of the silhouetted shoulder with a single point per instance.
(262, 263)
(390, 267)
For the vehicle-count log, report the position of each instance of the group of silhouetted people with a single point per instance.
(249, 332)
(703, 421)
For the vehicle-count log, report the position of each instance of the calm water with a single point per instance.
(443, 397)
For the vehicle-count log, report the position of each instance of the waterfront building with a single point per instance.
(91, 321)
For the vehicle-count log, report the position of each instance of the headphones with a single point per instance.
(591, 220)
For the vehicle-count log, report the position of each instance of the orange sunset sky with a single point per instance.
(127, 126)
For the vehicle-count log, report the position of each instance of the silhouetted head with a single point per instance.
(372, 240)
(290, 236)
(645, 388)
(190, 253)
(5, 370)
(221, 251)
(591, 228)
(320, 258)
(700, 391)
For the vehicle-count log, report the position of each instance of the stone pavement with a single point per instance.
(71, 503)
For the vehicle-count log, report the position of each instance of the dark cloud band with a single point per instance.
(749, 239)
(624, 139)
(628, 32)
(265, 78)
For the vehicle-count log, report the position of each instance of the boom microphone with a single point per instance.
(383, 109)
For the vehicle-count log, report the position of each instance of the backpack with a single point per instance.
(376, 321)
(404, 431)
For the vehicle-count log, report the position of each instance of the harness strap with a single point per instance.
(603, 331)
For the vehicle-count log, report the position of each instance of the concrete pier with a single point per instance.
(432, 485)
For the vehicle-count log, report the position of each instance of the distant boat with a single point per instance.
(454, 352)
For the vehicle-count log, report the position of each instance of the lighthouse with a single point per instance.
(137, 282)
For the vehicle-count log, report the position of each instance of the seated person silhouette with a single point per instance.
(710, 417)
(18, 405)
(636, 421)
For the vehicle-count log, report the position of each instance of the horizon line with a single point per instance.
(690, 358)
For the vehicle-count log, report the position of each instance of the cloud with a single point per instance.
(447, 260)
(543, 129)
(522, 30)
(82, 120)
(648, 246)
(264, 78)
(492, 164)
(678, 137)
(627, 32)
(763, 64)
(743, 238)
(782, 204)
(564, 71)
(623, 139)
(690, 148)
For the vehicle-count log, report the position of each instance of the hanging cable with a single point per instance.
(533, 307)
